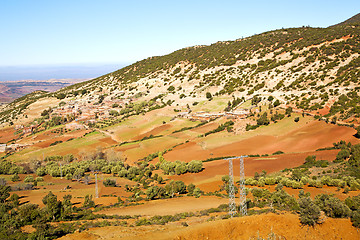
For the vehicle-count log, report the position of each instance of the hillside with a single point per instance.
(352, 20)
(269, 226)
(308, 68)
(142, 152)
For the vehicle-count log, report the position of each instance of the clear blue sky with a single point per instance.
(116, 31)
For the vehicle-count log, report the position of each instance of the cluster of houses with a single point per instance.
(87, 110)
(11, 147)
(206, 116)
(25, 129)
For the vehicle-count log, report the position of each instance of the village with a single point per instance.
(207, 116)
(87, 112)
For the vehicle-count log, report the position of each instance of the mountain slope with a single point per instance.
(309, 68)
(352, 20)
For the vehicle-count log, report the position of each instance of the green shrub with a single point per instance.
(109, 182)
(155, 192)
(29, 178)
(342, 155)
(41, 171)
(309, 211)
(333, 207)
(355, 218)
(15, 177)
(197, 192)
(39, 179)
(263, 120)
(353, 202)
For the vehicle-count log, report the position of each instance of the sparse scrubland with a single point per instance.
(152, 138)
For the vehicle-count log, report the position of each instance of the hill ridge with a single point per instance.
(305, 67)
(352, 20)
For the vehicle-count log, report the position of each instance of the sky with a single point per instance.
(119, 32)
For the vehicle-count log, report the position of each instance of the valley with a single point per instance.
(141, 152)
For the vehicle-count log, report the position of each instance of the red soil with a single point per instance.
(108, 141)
(153, 132)
(206, 128)
(255, 164)
(7, 134)
(169, 206)
(283, 225)
(315, 135)
(193, 152)
(77, 189)
(286, 226)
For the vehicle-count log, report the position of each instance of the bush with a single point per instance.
(55, 143)
(109, 183)
(171, 89)
(332, 206)
(88, 202)
(39, 179)
(288, 111)
(353, 202)
(61, 96)
(251, 127)
(15, 178)
(263, 120)
(276, 103)
(220, 128)
(310, 159)
(309, 211)
(178, 167)
(355, 218)
(41, 171)
(342, 155)
(278, 153)
(29, 178)
(190, 188)
(197, 192)
(270, 181)
(284, 201)
(155, 192)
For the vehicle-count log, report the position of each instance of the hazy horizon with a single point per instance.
(61, 71)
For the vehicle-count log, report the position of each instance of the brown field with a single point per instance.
(169, 206)
(154, 132)
(286, 226)
(7, 134)
(215, 169)
(78, 190)
(283, 225)
(296, 140)
(308, 138)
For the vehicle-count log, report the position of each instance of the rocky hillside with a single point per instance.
(308, 68)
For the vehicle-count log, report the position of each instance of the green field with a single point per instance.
(73, 146)
(274, 129)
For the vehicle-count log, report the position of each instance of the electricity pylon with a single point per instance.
(96, 187)
(242, 196)
(232, 205)
(61, 171)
